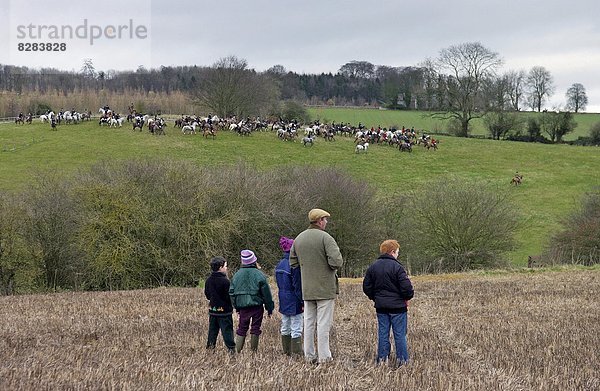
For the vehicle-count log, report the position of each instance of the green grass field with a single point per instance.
(555, 176)
(421, 120)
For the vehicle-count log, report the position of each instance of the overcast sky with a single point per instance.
(309, 36)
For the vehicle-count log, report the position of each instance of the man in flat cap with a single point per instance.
(318, 256)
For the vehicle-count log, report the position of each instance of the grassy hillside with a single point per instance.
(555, 176)
(421, 120)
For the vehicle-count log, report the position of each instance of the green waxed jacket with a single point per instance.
(318, 256)
(250, 287)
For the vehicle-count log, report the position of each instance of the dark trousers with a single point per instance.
(223, 323)
(250, 318)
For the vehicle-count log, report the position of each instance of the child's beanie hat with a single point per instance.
(248, 257)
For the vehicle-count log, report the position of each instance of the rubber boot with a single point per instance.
(297, 346)
(239, 343)
(254, 342)
(286, 341)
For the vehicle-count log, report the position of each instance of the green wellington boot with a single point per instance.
(297, 346)
(254, 342)
(239, 343)
(286, 342)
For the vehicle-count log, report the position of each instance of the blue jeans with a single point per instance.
(292, 325)
(398, 323)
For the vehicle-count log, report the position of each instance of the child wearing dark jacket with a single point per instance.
(220, 311)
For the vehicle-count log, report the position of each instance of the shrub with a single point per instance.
(139, 224)
(38, 107)
(527, 138)
(500, 123)
(150, 223)
(455, 128)
(582, 141)
(579, 242)
(534, 129)
(294, 110)
(53, 218)
(15, 264)
(557, 124)
(455, 225)
(595, 133)
(355, 216)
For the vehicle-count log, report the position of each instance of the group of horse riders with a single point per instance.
(22, 118)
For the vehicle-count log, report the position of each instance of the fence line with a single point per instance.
(8, 119)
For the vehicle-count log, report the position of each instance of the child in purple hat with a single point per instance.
(291, 305)
(250, 292)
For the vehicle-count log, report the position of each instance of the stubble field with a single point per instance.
(508, 331)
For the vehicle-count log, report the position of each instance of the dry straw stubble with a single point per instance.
(466, 332)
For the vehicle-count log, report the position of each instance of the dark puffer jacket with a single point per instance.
(388, 285)
(250, 288)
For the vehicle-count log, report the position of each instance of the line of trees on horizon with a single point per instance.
(462, 83)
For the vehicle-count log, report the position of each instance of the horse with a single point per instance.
(191, 129)
(308, 141)
(244, 131)
(361, 148)
(358, 137)
(20, 120)
(157, 127)
(431, 144)
(113, 123)
(405, 147)
(103, 112)
(289, 136)
(209, 132)
(139, 123)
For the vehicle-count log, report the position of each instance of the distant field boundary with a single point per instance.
(7, 119)
(347, 107)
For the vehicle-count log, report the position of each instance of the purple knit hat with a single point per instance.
(285, 243)
(248, 257)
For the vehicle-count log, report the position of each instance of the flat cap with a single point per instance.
(315, 214)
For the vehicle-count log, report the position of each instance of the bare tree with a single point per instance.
(277, 69)
(576, 97)
(465, 67)
(358, 69)
(88, 70)
(541, 87)
(516, 80)
(230, 88)
(496, 92)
